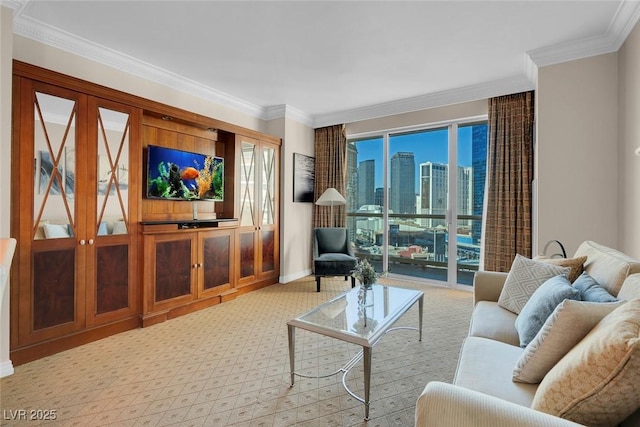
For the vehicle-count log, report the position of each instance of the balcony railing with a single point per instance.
(418, 244)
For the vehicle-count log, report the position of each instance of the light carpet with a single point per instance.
(228, 365)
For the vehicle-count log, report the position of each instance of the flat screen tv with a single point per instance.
(174, 174)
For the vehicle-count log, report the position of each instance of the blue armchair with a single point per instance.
(332, 254)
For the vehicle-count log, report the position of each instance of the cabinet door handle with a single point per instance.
(82, 242)
(91, 241)
(200, 265)
(195, 265)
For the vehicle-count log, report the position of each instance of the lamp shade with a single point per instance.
(331, 197)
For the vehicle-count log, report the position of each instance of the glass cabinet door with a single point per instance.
(247, 184)
(268, 193)
(111, 222)
(54, 294)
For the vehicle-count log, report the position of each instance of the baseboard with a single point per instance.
(295, 276)
(6, 369)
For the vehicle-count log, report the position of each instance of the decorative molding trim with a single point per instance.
(46, 34)
(13, 4)
(289, 112)
(621, 25)
(6, 368)
(439, 99)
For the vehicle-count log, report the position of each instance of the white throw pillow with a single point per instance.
(597, 383)
(568, 324)
(56, 231)
(540, 306)
(525, 276)
(119, 228)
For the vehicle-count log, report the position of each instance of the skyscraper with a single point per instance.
(403, 183)
(479, 165)
(434, 188)
(366, 182)
(352, 177)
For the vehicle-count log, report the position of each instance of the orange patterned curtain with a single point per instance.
(331, 166)
(508, 210)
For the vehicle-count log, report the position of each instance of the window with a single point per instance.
(415, 200)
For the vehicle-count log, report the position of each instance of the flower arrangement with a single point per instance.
(364, 272)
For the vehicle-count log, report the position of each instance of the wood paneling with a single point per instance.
(173, 269)
(112, 278)
(216, 265)
(53, 288)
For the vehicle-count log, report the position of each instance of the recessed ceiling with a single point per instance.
(333, 60)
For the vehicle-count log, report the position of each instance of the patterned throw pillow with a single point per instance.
(598, 382)
(525, 276)
(567, 325)
(540, 306)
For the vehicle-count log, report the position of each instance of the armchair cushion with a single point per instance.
(332, 240)
(334, 264)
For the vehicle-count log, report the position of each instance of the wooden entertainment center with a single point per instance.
(95, 256)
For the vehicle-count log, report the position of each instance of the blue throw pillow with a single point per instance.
(591, 291)
(540, 306)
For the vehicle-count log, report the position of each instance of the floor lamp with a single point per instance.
(331, 197)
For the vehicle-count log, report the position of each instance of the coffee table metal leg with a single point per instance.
(420, 304)
(292, 351)
(367, 379)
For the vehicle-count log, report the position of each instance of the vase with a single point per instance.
(365, 295)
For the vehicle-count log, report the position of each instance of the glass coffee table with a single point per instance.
(359, 317)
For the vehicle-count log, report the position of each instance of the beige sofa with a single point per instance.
(483, 392)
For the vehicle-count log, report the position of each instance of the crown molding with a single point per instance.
(619, 28)
(13, 4)
(438, 99)
(622, 24)
(289, 112)
(49, 35)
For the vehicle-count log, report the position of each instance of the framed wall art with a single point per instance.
(303, 177)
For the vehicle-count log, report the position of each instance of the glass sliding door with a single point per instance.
(415, 201)
(365, 199)
(472, 165)
(418, 203)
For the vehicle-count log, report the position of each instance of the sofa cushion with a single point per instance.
(540, 306)
(598, 382)
(590, 290)
(489, 320)
(576, 264)
(609, 267)
(486, 365)
(567, 325)
(525, 276)
(630, 288)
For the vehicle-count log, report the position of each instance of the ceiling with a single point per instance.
(331, 61)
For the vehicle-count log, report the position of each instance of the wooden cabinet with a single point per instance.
(89, 261)
(185, 268)
(258, 204)
(72, 211)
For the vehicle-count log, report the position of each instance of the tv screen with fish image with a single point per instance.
(174, 174)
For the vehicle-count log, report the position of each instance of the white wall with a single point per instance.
(629, 134)
(6, 36)
(295, 218)
(577, 152)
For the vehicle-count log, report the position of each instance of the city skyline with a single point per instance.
(431, 145)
